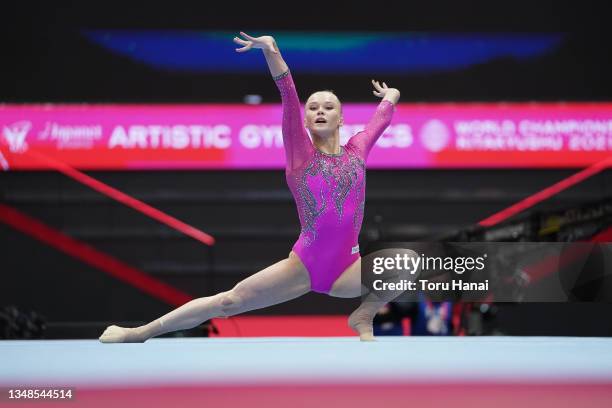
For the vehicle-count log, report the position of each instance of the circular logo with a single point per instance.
(434, 135)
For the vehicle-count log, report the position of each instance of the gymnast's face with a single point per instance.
(323, 114)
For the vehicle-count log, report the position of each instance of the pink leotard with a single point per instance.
(329, 189)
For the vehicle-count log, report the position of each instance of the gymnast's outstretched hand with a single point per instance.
(270, 50)
(383, 91)
(265, 42)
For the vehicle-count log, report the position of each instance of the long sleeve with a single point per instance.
(298, 146)
(365, 140)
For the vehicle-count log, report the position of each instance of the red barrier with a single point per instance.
(123, 198)
(91, 256)
(545, 194)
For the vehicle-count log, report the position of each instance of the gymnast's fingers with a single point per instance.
(240, 41)
(248, 37)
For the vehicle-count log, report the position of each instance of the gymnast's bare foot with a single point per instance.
(361, 323)
(116, 334)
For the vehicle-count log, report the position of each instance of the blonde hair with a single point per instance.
(331, 92)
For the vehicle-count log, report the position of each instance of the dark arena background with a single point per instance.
(143, 167)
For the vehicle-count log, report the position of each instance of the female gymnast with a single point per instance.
(328, 184)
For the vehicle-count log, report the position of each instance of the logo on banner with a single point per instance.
(434, 135)
(71, 136)
(15, 135)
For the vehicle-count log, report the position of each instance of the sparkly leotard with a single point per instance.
(329, 189)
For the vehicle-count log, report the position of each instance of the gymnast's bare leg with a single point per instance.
(348, 285)
(278, 283)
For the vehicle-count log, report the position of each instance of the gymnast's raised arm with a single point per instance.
(268, 45)
(295, 138)
(365, 140)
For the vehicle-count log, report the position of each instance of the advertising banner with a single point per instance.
(236, 136)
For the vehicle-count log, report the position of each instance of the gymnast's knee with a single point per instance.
(231, 302)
